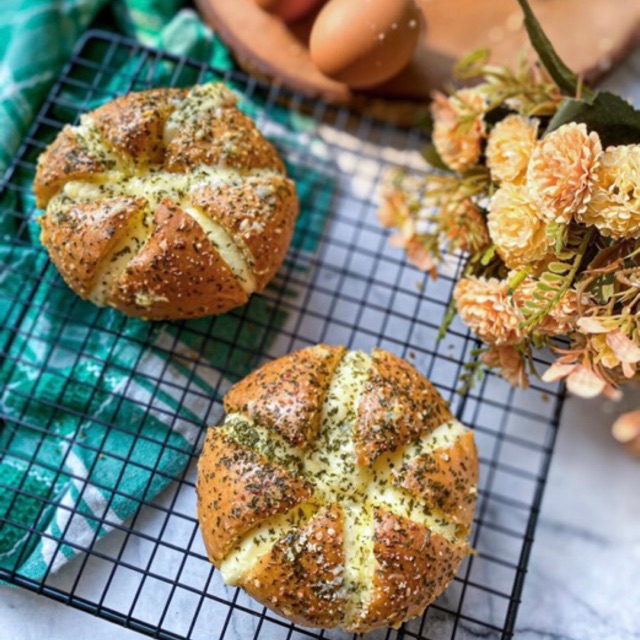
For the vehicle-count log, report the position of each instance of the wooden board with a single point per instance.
(591, 35)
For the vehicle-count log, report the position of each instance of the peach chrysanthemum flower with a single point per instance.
(614, 207)
(458, 127)
(393, 209)
(562, 317)
(562, 171)
(418, 255)
(483, 305)
(510, 145)
(511, 364)
(463, 225)
(515, 228)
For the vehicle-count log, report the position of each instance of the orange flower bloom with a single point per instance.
(458, 127)
(510, 363)
(393, 209)
(519, 235)
(509, 148)
(615, 205)
(484, 307)
(562, 172)
(581, 379)
(463, 225)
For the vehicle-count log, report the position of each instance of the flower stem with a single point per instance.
(537, 317)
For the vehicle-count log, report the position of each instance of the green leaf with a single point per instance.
(431, 155)
(615, 120)
(470, 66)
(603, 288)
(449, 315)
(488, 255)
(517, 279)
(551, 278)
(543, 287)
(566, 79)
(559, 267)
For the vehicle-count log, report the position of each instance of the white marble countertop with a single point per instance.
(583, 574)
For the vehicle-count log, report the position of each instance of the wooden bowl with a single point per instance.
(591, 36)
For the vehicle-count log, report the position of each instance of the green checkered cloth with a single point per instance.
(84, 439)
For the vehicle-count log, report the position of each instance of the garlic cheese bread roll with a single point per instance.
(166, 204)
(340, 490)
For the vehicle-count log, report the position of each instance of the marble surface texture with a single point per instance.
(583, 579)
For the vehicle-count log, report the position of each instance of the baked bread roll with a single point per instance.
(340, 490)
(166, 204)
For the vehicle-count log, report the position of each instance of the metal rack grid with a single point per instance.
(342, 283)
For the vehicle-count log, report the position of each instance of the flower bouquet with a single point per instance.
(538, 179)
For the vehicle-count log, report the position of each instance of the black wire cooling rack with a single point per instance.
(342, 283)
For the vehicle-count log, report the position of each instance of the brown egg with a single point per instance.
(365, 42)
(289, 10)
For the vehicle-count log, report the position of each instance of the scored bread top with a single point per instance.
(214, 208)
(377, 527)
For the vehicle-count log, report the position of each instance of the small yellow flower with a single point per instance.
(458, 127)
(515, 228)
(483, 305)
(615, 349)
(509, 148)
(615, 205)
(562, 171)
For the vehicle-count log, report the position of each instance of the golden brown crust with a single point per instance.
(66, 158)
(413, 567)
(376, 554)
(178, 272)
(397, 405)
(134, 123)
(286, 395)
(237, 490)
(261, 212)
(445, 479)
(301, 577)
(225, 137)
(153, 144)
(80, 236)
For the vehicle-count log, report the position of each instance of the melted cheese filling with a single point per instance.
(331, 460)
(114, 265)
(331, 466)
(226, 247)
(260, 540)
(154, 185)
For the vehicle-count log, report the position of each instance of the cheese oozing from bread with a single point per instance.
(261, 539)
(122, 178)
(329, 465)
